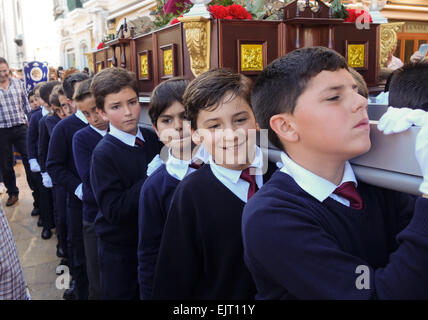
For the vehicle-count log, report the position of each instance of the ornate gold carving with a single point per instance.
(144, 66)
(198, 33)
(251, 57)
(167, 62)
(99, 67)
(356, 55)
(388, 40)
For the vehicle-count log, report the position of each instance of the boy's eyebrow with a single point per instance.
(239, 113)
(339, 87)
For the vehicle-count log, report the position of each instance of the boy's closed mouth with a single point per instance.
(234, 147)
(363, 123)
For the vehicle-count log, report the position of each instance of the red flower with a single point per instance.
(354, 14)
(238, 12)
(100, 45)
(218, 12)
(234, 11)
(175, 20)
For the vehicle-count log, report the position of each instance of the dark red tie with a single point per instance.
(348, 191)
(139, 142)
(195, 165)
(251, 179)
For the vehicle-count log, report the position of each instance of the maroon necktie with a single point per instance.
(348, 191)
(138, 142)
(251, 179)
(195, 165)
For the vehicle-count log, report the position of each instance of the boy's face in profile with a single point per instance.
(228, 133)
(174, 131)
(330, 118)
(59, 111)
(123, 110)
(66, 105)
(88, 108)
(34, 102)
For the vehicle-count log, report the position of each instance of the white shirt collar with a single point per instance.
(202, 154)
(231, 178)
(81, 116)
(125, 137)
(176, 167)
(44, 111)
(101, 132)
(313, 184)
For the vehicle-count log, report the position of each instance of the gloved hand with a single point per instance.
(421, 153)
(79, 192)
(397, 120)
(46, 180)
(416, 56)
(34, 165)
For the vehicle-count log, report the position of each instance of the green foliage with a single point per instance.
(162, 19)
(338, 9)
(224, 3)
(257, 9)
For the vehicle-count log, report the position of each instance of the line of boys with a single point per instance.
(188, 233)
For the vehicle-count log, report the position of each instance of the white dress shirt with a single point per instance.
(313, 184)
(176, 167)
(101, 132)
(79, 114)
(44, 111)
(231, 178)
(125, 137)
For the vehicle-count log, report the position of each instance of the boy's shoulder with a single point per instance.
(149, 134)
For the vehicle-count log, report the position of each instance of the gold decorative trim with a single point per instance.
(356, 55)
(168, 69)
(90, 57)
(144, 65)
(251, 57)
(198, 39)
(388, 40)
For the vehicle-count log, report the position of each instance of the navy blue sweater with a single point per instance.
(60, 161)
(116, 175)
(32, 112)
(155, 199)
(51, 122)
(43, 144)
(84, 142)
(33, 133)
(201, 253)
(298, 247)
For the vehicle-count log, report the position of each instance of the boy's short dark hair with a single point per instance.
(46, 89)
(281, 83)
(112, 80)
(207, 91)
(83, 91)
(31, 93)
(409, 86)
(70, 81)
(3, 60)
(53, 98)
(164, 95)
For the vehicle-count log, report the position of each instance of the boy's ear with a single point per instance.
(283, 125)
(196, 138)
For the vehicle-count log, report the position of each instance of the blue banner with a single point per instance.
(34, 73)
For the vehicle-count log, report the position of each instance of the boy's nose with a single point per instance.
(360, 103)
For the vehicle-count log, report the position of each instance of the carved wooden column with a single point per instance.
(198, 38)
(388, 40)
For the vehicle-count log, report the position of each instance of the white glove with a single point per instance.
(421, 153)
(34, 165)
(79, 192)
(46, 180)
(416, 56)
(397, 120)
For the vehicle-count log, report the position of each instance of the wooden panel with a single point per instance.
(347, 33)
(231, 32)
(145, 43)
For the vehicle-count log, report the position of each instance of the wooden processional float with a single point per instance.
(198, 44)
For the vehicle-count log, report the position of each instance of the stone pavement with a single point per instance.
(37, 256)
